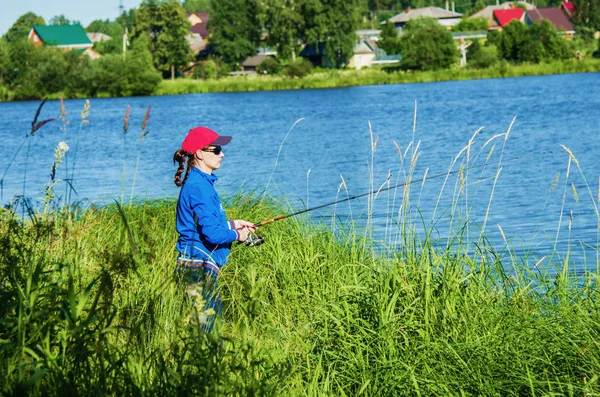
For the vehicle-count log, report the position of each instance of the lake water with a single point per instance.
(332, 143)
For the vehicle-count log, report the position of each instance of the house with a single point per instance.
(199, 21)
(198, 36)
(504, 17)
(315, 53)
(368, 34)
(97, 37)
(568, 7)
(445, 18)
(555, 16)
(488, 12)
(364, 54)
(65, 37)
(253, 62)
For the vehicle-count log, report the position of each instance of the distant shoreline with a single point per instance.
(335, 78)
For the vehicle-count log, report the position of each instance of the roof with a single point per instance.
(431, 12)
(555, 15)
(96, 37)
(200, 27)
(504, 17)
(196, 42)
(63, 35)
(255, 60)
(363, 47)
(568, 6)
(488, 12)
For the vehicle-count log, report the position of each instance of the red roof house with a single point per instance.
(554, 15)
(568, 7)
(504, 17)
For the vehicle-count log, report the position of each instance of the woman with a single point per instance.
(205, 235)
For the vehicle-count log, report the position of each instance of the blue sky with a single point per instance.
(84, 11)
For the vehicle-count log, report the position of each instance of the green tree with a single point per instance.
(427, 46)
(60, 20)
(283, 22)
(4, 59)
(343, 18)
(587, 16)
(20, 29)
(196, 6)
(389, 41)
(110, 28)
(236, 28)
(124, 76)
(516, 44)
(479, 5)
(21, 53)
(480, 57)
(166, 25)
(470, 24)
(332, 22)
(555, 46)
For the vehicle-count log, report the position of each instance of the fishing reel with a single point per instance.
(253, 240)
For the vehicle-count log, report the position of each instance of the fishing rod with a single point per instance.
(254, 240)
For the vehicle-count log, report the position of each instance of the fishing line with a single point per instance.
(383, 189)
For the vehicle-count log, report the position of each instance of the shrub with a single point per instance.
(205, 70)
(300, 68)
(269, 66)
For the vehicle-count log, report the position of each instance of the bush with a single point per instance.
(269, 66)
(481, 57)
(300, 68)
(205, 70)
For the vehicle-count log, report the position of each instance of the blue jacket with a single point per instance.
(204, 232)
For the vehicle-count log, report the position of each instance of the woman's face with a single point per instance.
(210, 158)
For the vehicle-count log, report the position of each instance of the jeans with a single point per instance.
(203, 292)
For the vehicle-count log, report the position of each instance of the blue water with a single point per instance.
(332, 143)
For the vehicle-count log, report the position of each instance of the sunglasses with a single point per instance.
(216, 149)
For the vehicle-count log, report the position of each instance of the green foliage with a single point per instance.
(389, 41)
(269, 66)
(206, 70)
(235, 41)
(300, 68)
(479, 5)
(532, 43)
(4, 59)
(61, 20)
(470, 24)
(118, 76)
(284, 23)
(197, 5)
(427, 46)
(384, 15)
(481, 57)
(587, 15)
(166, 24)
(20, 53)
(343, 17)
(113, 29)
(20, 29)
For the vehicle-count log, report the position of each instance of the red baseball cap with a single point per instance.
(201, 137)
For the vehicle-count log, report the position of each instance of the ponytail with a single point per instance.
(181, 157)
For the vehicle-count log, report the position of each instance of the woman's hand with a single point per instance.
(241, 224)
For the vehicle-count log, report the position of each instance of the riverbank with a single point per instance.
(91, 305)
(345, 78)
(335, 78)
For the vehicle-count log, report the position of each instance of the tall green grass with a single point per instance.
(93, 305)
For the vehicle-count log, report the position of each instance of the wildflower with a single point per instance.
(126, 120)
(86, 109)
(60, 151)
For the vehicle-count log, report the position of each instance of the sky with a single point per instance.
(84, 11)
